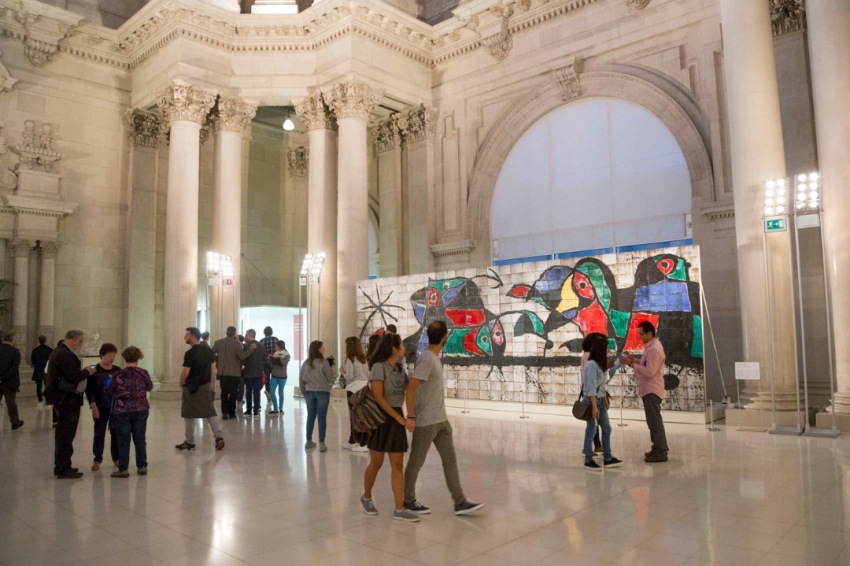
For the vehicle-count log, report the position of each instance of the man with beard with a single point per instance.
(198, 390)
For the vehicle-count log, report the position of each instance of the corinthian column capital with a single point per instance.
(418, 124)
(146, 128)
(184, 102)
(315, 113)
(49, 249)
(386, 135)
(352, 99)
(232, 114)
(20, 247)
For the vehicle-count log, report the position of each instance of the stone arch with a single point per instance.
(659, 95)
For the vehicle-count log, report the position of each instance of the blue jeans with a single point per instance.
(317, 403)
(277, 385)
(131, 425)
(253, 386)
(590, 432)
(100, 425)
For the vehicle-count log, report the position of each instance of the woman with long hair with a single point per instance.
(388, 381)
(594, 380)
(372, 345)
(279, 362)
(585, 347)
(315, 381)
(356, 375)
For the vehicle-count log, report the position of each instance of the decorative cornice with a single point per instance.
(452, 248)
(232, 115)
(386, 134)
(297, 159)
(8, 179)
(352, 99)
(49, 250)
(17, 204)
(184, 102)
(20, 247)
(145, 128)
(39, 26)
(36, 150)
(315, 113)
(787, 16)
(418, 124)
(569, 79)
(637, 4)
(719, 210)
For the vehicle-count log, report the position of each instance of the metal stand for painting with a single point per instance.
(711, 427)
(622, 398)
(523, 416)
(805, 218)
(465, 410)
(716, 353)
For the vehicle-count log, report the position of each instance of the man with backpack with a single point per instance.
(63, 389)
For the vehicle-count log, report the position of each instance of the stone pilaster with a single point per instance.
(417, 126)
(352, 101)
(20, 249)
(387, 139)
(47, 289)
(186, 108)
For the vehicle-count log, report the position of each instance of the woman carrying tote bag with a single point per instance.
(594, 379)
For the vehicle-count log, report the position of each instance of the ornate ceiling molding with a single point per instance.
(39, 26)
(637, 4)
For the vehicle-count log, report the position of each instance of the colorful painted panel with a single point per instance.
(515, 331)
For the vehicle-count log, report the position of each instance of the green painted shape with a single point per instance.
(484, 342)
(540, 301)
(678, 274)
(620, 322)
(442, 285)
(696, 345)
(521, 326)
(612, 345)
(597, 279)
(454, 345)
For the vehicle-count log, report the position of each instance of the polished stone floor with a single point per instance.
(728, 497)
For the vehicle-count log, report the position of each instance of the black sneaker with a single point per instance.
(69, 475)
(612, 463)
(246, 414)
(592, 466)
(185, 446)
(17, 425)
(225, 417)
(657, 457)
(467, 506)
(417, 508)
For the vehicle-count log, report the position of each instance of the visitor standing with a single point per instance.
(229, 354)
(315, 381)
(10, 378)
(649, 370)
(66, 380)
(388, 382)
(253, 374)
(38, 358)
(585, 347)
(279, 364)
(129, 388)
(356, 375)
(198, 390)
(101, 406)
(205, 338)
(268, 343)
(429, 424)
(594, 381)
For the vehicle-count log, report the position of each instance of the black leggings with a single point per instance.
(39, 383)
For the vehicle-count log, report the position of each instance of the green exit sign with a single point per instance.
(775, 225)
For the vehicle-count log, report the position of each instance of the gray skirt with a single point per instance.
(198, 405)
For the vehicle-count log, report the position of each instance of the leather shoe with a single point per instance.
(650, 453)
(69, 475)
(657, 457)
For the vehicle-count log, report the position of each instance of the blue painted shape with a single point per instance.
(665, 296)
(423, 342)
(553, 279)
(419, 312)
(449, 295)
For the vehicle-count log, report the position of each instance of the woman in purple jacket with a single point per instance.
(130, 408)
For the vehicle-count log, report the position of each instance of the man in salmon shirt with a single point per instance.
(649, 370)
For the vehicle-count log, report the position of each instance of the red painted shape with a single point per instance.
(466, 317)
(519, 291)
(666, 265)
(433, 297)
(582, 285)
(592, 319)
(633, 341)
(469, 343)
(498, 334)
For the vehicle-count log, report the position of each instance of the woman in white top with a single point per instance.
(356, 375)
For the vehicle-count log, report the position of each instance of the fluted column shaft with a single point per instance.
(352, 102)
(322, 217)
(755, 137)
(229, 119)
(47, 290)
(20, 292)
(829, 53)
(186, 107)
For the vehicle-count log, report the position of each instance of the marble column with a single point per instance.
(229, 119)
(352, 102)
(20, 292)
(418, 134)
(755, 138)
(186, 108)
(47, 289)
(387, 139)
(829, 56)
(146, 130)
(322, 217)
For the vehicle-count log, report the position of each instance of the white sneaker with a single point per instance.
(348, 446)
(40, 406)
(358, 448)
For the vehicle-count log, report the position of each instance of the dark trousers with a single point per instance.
(9, 393)
(240, 390)
(253, 386)
(229, 385)
(39, 389)
(67, 419)
(652, 409)
(100, 425)
(131, 425)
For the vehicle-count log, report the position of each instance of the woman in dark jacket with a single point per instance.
(38, 358)
(101, 406)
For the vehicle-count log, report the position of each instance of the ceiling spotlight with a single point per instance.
(288, 124)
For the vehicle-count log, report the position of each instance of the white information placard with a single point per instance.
(747, 371)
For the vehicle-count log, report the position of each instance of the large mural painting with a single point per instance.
(515, 331)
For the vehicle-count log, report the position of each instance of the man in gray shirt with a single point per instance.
(430, 424)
